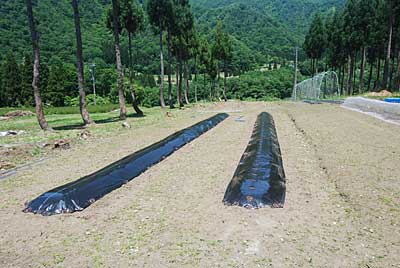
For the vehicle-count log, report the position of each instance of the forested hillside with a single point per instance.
(209, 38)
(360, 42)
(56, 28)
(269, 27)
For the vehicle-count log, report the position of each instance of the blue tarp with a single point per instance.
(393, 100)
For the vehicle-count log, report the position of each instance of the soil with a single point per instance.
(19, 113)
(342, 201)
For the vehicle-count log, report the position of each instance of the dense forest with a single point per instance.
(209, 50)
(361, 42)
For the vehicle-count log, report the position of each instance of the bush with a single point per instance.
(151, 97)
(266, 86)
(74, 101)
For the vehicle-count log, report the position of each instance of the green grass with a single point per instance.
(70, 125)
(65, 110)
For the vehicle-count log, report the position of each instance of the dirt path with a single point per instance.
(341, 208)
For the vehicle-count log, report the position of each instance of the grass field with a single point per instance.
(32, 143)
(64, 110)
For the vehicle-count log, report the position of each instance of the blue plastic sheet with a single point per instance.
(393, 100)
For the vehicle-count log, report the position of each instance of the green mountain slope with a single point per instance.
(271, 27)
(262, 28)
(56, 27)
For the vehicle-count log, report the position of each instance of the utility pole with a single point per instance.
(93, 81)
(295, 73)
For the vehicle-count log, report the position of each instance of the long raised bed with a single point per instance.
(80, 194)
(259, 180)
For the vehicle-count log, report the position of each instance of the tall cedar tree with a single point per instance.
(390, 5)
(79, 66)
(11, 81)
(188, 37)
(116, 25)
(204, 57)
(159, 12)
(133, 21)
(182, 34)
(26, 97)
(222, 51)
(171, 26)
(36, 68)
(315, 41)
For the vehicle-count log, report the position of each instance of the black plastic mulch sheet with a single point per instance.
(80, 194)
(259, 180)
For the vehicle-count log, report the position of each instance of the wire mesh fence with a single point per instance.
(322, 86)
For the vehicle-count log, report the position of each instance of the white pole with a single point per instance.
(94, 82)
(295, 74)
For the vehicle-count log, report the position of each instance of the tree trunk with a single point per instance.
(388, 53)
(371, 69)
(131, 73)
(79, 57)
(378, 74)
(312, 68)
(211, 89)
(170, 100)
(225, 99)
(178, 93)
(195, 81)
(363, 58)
(397, 79)
(295, 74)
(186, 82)
(180, 85)
(36, 69)
(349, 70)
(204, 85)
(354, 74)
(162, 102)
(218, 84)
(340, 79)
(120, 81)
(392, 68)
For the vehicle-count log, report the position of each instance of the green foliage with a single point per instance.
(89, 100)
(146, 80)
(221, 48)
(66, 110)
(269, 28)
(132, 16)
(260, 33)
(62, 82)
(256, 85)
(26, 96)
(10, 82)
(159, 12)
(360, 34)
(149, 97)
(315, 40)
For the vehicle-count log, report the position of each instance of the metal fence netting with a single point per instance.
(322, 86)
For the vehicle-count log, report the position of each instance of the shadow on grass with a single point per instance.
(113, 119)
